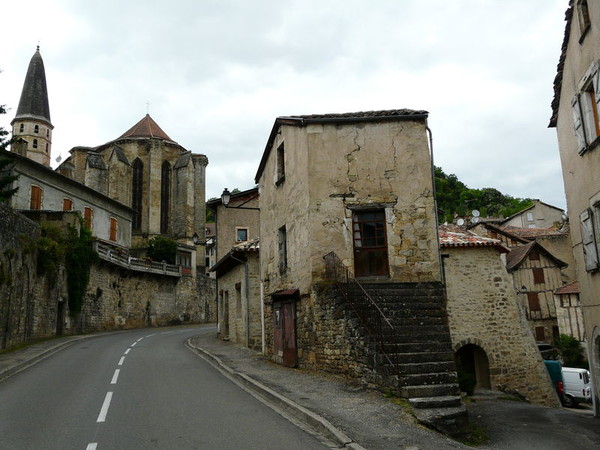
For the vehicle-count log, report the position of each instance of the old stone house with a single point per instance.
(240, 314)
(536, 275)
(569, 312)
(353, 194)
(538, 215)
(490, 335)
(577, 122)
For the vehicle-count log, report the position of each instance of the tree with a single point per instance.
(162, 249)
(5, 180)
(571, 351)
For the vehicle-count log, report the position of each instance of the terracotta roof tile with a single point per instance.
(146, 128)
(455, 236)
(571, 288)
(532, 233)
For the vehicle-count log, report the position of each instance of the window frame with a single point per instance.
(36, 197)
(70, 203)
(538, 275)
(113, 230)
(280, 164)
(237, 236)
(533, 302)
(88, 219)
(586, 110)
(282, 249)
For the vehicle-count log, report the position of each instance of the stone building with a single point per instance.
(538, 215)
(353, 193)
(577, 122)
(490, 335)
(31, 127)
(240, 313)
(536, 275)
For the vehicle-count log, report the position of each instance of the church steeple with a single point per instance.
(31, 126)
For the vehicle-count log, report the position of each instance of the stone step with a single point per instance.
(444, 401)
(423, 357)
(437, 390)
(427, 379)
(426, 367)
(452, 421)
(417, 347)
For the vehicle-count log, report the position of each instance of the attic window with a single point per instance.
(534, 255)
(280, 164)
(583, 16)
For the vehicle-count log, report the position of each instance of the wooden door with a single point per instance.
(370, 244)
(284, 332)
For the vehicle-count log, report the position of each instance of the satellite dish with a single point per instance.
(475, 213)
(460, 222)
(475, 219)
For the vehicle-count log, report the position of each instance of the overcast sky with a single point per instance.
(217, 73)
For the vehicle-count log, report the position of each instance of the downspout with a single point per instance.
(262, 318)
(435, 207)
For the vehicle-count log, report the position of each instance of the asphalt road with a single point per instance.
(137, 390)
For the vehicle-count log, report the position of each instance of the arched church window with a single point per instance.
(137, 182)
(35, 143)
(165, 193)
(36, 129)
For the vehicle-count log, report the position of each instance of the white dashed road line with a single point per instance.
(121, 361)
(92, 446)
(115, 377)
(105, 406)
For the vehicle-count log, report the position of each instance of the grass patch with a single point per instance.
(476, 436)
(511, 398)
(403, 403)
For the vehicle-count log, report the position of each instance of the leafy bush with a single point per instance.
(571, 351)
(466, 381)
(162, 249)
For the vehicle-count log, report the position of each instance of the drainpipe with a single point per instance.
(437, 226)
(262, 318)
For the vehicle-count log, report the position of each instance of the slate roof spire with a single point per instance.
(34, 97)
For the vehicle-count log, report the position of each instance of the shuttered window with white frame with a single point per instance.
(590, 249)
(586, 108)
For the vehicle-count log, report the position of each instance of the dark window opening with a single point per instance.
(370, 244)
(283, 263)
(540, 334)
(534, 301)
(136, 193)
(241, 234)
(21, 128)
(35, 143)
(280, 163)
(165, 193)
(538, 275)
(534, 255)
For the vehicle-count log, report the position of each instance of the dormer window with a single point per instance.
(36, 129)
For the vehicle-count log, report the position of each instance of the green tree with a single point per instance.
(162, 249)
(571, 351)
(5, 180)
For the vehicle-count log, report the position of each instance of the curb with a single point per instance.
(278, 401)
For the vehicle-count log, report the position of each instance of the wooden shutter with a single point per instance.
(87, 217)
(67, 204)
(540, 334)
(590, 251)
(538, 275)
(534, 301)
(596, 87)
(113, 229)
(578, 124)
(36, 198)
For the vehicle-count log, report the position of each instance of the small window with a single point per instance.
(540, 334)
(36, 198)
(113, 229)
(583, 15)
(280, 164)
(534, 301)
(529, 217)
(283, 263)
(241, 234)
(36, 129)
(67, 204)
(46, 148)
(47, 132)
(538, 275)
(534, 255)
(88, 215)
(21, 128)
(35, 143)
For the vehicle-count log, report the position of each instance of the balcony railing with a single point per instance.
(121, 258)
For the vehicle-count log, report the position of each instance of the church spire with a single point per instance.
(32, 127)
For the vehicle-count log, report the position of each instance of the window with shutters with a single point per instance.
(534, 301)
(67, 204)
(88, 215)
(36, 198)
(538, 275)
(588, 238)
(113, 229)
(586, 122)
(583, 16)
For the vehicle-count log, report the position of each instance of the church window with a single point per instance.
(47, 133)
(165, 192)
(21, 128)
(36, 198)
(88, 215)
(136, 193)
(35, 143)
(36, 129)
(46, 148)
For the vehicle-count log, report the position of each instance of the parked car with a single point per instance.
(555, 371)
(577, 386)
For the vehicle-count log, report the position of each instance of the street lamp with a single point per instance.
(226, 197)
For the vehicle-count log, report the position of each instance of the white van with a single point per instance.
(577, 386)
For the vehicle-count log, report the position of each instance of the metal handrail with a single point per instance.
(363, 304)
(122, 258)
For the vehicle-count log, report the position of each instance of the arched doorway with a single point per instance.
(472, 361)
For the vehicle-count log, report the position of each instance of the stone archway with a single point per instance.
(473, 360)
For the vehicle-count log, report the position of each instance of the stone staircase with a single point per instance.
(408, 332)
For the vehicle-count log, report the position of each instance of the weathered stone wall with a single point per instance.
(483, 310)
(34, 306)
